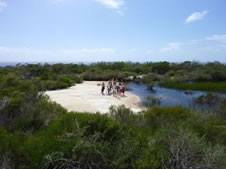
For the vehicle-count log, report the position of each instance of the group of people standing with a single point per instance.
(113, 87)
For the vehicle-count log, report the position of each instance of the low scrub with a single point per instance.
(151, 101)
(104, 76)
(156, 138)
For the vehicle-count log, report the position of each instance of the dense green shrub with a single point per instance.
(151, 77)
(94, 75)
(218, 133)
(165, 117)
(151, 101)
(186, 150)
(121, 113)
(149, 139)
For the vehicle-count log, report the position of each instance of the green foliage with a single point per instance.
(37, 115)
(151, 77)
(165, 117)
(187, 150)
(64, 75)
(151, 101)
(27, 110)
(218, 133)
(106, 75)
(209, 102)
(161, 67)
(121, 113)
(222, 110)
(37, 133)
(123, 140)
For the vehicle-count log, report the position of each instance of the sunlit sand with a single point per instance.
(87, 97)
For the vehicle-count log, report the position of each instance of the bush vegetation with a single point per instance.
(190, 75)
(151, 101)
(157, 138)
(38, 133)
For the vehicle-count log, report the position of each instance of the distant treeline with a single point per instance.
(56, 76)
(196, 71)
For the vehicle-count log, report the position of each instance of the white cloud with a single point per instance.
(113, 4)
(217, 38)
(117, 5)
(3, 5)
(196, 16)
(120, 12)
(173, 46)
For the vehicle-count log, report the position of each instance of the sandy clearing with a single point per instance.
(86, 97)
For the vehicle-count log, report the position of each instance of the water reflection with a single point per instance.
(168, 97)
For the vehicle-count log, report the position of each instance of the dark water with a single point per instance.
(169, 97)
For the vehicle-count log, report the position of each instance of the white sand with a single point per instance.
(87, 97)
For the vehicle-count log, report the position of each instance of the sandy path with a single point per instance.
(86, 97)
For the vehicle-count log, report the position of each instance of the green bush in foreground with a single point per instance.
(151, 139)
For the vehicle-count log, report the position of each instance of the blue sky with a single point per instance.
(112, 30)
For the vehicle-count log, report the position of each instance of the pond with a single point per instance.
(169, 97)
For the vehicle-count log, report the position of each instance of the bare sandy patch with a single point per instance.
(87, 97)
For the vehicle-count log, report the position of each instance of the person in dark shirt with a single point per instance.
(102, 88)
